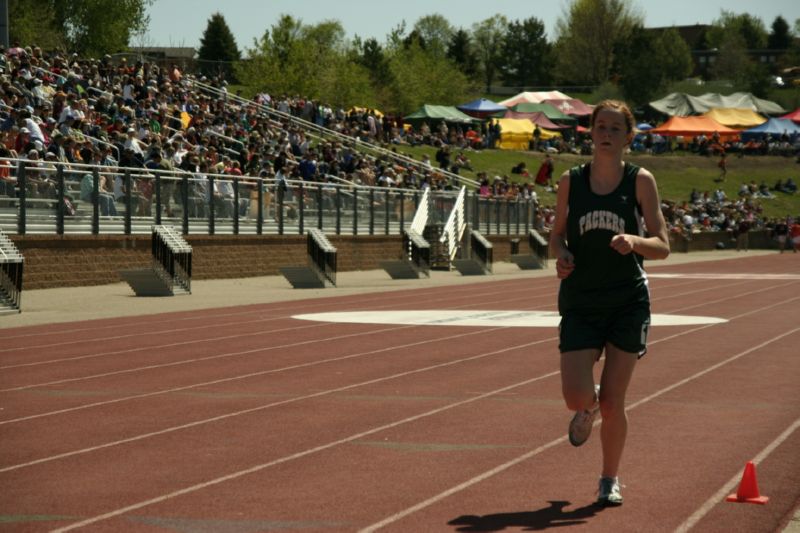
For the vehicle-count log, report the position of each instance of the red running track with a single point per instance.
(245, 419)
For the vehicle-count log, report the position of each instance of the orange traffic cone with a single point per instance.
(748, 488)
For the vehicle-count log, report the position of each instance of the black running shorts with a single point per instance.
(624, 327)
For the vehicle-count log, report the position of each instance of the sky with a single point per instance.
(181, 23)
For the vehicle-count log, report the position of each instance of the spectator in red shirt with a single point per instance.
(794, 233)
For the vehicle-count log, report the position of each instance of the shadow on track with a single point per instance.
(552, 516)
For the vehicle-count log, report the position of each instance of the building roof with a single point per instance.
(185, 52)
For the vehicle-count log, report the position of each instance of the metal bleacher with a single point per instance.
(11, 263)
(170, 273)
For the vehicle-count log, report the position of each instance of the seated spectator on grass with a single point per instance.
(744, 190)
(521, 169)
(763, 190)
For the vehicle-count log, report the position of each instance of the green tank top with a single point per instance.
(603, 278)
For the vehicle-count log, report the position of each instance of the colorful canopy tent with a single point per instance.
(537, 118)
(550, 112)
(794, 116)
(775, 127)
(516, 134)
(692, 126)
(534, 97)
(644, 126)
(736, 118)
(481, 108)
(683, 105)
(433, 114)
(571, 106)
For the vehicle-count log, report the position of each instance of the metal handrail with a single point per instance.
(321, 131)
(250, 203)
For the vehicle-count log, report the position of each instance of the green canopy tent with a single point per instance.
(434, 114)
(682, 104)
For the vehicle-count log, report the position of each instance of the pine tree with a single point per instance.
(218, 49)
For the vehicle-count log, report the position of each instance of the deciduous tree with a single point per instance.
(435, 32)
(587, 34)
(488, 37)
(97, 27)
(749, 27)
(34, 22)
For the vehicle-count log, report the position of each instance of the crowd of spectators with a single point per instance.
(59, 108)
(714, 211)
(713, 145)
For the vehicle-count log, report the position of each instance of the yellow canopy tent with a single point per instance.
(736, 118)
(357, 109)
(548, 134)
(517, 133)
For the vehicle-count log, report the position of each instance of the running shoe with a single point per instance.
(581, 425)
(609, 492)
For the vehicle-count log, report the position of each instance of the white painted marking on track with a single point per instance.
(482, 318)
(742, 275)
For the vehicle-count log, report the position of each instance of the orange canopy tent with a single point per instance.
(696, 125)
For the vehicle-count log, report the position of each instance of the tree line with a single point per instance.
(597, 43)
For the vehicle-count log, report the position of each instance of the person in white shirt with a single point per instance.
(133, 143)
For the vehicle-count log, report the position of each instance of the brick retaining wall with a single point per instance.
(78, 260)
(72, 261)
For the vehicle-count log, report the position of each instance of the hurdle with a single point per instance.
(11, 267)
(538, 256)
(320, 272)
(170, 273)
(415, 257)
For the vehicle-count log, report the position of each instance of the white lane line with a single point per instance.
(198, 341)
(471, 296)
(496, 470)
(231, 354)
(207, 358)
(729, 487)
(292, 367)
(283, 402)
(254, 374)
(505, 466)
(264, 307)
(151, 367)
(310, 451)
(209, 313)
(704, 275)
